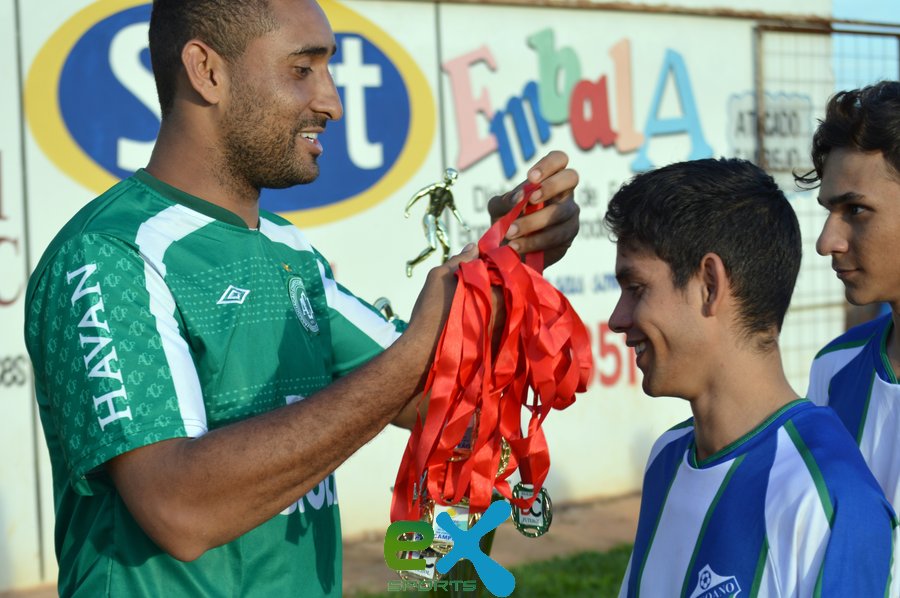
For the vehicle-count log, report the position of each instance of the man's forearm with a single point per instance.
(191, 495)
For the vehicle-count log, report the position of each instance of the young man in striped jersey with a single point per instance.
(199, 372)
(856, 155)
(760, 493)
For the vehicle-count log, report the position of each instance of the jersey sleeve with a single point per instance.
(852, 517)
(103, 332)
(359, 331)
(860, 551)
(623, 590)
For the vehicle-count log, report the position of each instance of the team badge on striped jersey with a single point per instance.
(712, 585)
(302, 306)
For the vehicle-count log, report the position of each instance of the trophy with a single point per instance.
(439, 199)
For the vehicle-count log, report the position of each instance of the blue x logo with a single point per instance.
(466, 546)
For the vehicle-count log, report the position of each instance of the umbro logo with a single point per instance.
(233, 295)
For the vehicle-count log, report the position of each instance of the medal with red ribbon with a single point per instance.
(474, 419)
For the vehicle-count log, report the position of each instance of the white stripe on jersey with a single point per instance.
(792, 504)
(348, 306)
(157, 234)
(153, 238)
(824, 368)
(358, 314)
(288, 235)
(679, 526)
(667, 437)
(623, 591)
(880, 443)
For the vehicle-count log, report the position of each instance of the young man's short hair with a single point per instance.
(865, 120)
(227, 26)
(728, 207)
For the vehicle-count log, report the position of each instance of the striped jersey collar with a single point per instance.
(189, 201)
(735, 448)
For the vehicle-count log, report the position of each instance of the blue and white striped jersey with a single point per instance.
(853, 376)
(790, 509)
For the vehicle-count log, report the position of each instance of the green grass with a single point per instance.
(587, 574)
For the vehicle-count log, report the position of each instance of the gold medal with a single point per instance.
(535, 521)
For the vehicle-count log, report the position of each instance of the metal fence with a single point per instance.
(798, 67)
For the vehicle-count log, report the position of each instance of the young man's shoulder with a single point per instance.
(856, 337)
(830, 454)
(674, 441)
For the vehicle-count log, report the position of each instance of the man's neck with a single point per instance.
(744, 394)
(181, 160)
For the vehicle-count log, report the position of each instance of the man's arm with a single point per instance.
(191, 495)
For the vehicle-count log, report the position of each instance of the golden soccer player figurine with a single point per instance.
(439, 199)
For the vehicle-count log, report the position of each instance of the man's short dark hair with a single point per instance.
(865, 120)
(728, 207)
(227, 26)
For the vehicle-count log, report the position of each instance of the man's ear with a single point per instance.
(206, 70)
(715, 283)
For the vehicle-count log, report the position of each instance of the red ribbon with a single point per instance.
(544, 353)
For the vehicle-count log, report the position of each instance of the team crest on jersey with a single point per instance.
(302, 306)
(712, 585)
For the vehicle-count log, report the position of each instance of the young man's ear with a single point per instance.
(715, 283)
(205, 70)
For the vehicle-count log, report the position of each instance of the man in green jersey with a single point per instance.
(199, 372)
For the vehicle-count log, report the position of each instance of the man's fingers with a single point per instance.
(550, 172)
(468, 253)
(553, 227)
(547, 166)
(563, 210)
(557, 186)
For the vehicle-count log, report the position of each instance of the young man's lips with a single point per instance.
(639, 348)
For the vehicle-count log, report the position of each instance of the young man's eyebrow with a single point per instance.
(624, 275)
(836, 200)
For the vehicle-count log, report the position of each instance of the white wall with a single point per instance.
(20, 558)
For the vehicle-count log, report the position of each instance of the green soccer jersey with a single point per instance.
(156, 315)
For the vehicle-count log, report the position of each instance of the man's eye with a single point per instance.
(855, 209)
(303, 71)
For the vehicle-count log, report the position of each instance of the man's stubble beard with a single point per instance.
(259, 151)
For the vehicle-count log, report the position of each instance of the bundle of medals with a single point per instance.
(460, 456)
(530, 522)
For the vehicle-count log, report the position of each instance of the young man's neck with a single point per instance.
(745, 392)
(184, 160)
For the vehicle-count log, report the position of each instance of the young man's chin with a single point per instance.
(650, 390)
(856, 297)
